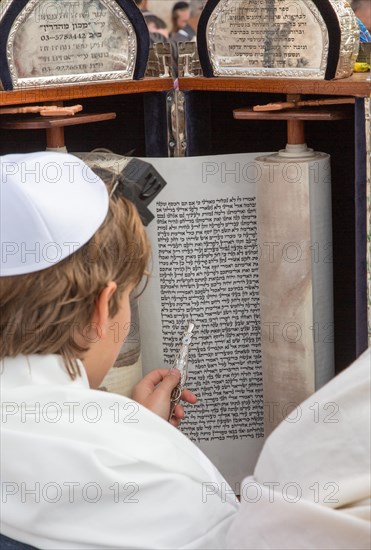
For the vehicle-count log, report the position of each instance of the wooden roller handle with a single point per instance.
(43, 110)
(280, 106)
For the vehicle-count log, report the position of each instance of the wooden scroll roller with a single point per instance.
(43, 110)
(280, 106)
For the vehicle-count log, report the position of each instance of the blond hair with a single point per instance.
(41, 311)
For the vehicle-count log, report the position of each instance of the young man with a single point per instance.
(80, 468)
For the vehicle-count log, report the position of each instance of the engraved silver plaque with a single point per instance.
(278, 38)
(64, 42)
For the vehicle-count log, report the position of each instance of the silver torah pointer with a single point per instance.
(181, 363)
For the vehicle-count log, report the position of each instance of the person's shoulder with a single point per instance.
(180, 36)
(189, 30)
(357, 374)
(156, 37)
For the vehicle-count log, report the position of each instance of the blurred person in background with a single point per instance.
(143, 6)
(187, 33)
(196, 7)
(180, 16)
(158, 31)
(362, 9)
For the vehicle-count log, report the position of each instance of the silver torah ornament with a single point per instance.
(181, 363)
(313, 39)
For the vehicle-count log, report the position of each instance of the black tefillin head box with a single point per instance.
(138, 182)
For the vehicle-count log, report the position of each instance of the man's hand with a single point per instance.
(154, 392)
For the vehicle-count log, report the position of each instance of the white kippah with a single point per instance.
(51, 205)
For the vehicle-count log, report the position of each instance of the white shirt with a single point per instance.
(311, 485)
(85, 469)
(144, 485)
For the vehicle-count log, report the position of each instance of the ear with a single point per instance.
(101, 309)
